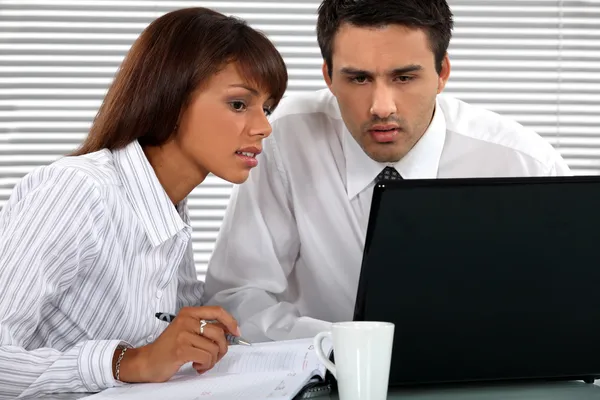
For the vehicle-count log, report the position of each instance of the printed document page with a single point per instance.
(273, 370)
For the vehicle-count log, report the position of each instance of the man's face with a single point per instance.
(386, 83)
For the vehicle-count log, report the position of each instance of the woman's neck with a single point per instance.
(177, 175)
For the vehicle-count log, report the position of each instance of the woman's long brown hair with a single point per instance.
(174, 56)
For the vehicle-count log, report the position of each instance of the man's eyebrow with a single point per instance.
(248, 88)
(406, 70)
(354, 71)
(396, 71)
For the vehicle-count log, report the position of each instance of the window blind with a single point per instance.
(537, 61)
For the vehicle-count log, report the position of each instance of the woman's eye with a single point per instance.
(267, 111)
(238, 105)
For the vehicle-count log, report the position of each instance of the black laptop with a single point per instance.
(486, 279)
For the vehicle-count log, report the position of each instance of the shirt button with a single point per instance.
(150, 339)
(159, 294)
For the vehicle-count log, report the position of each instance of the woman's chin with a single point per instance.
(236, 177)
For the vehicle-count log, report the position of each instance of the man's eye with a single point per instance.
(404, 78)
(359, 79)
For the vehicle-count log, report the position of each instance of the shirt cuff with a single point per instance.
(95, 364)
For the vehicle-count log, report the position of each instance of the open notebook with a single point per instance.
(274, 371)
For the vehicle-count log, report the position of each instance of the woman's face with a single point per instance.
(222, 129)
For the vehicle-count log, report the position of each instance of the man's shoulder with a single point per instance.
(487, 126)
(306, 127)
(306, 105)
(306, 122)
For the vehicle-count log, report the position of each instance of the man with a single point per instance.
(287, 260)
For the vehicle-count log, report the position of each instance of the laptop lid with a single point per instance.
(486, 279)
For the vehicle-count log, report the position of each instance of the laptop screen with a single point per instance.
(486, 278)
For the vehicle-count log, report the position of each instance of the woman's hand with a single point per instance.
(179, 344)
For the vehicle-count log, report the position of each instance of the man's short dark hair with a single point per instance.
(434, 16)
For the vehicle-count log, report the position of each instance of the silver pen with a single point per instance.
(231, 339)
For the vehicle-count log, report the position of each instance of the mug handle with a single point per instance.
(318, 342)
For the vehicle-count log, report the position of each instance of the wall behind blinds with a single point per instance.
(537, 61)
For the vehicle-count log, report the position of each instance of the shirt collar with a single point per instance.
(421, 162)
(159, 217)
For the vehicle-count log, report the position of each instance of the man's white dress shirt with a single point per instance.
(288, 256)
(91, 248)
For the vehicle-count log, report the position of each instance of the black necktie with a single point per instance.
(388, 174)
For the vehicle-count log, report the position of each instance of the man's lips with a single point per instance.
(384, 133)
(384, 127)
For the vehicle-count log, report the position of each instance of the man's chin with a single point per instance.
(385, 153)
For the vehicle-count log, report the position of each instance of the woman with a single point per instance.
(93, 245)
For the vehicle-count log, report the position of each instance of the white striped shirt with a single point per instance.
(91, 247)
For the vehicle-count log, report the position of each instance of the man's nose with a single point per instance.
(383, 104)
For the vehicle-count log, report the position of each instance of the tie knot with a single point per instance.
(388, 174)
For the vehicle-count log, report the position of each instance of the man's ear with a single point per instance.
(326, 76)
(444, 73)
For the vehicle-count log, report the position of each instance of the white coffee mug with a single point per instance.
(363, 352)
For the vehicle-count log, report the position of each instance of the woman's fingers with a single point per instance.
(199, 357)
(200, 342)
(213, 313)
(216, 333)
(181, 343)
(200, 369)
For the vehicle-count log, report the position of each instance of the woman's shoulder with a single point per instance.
(96, 168)
(68, 176)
